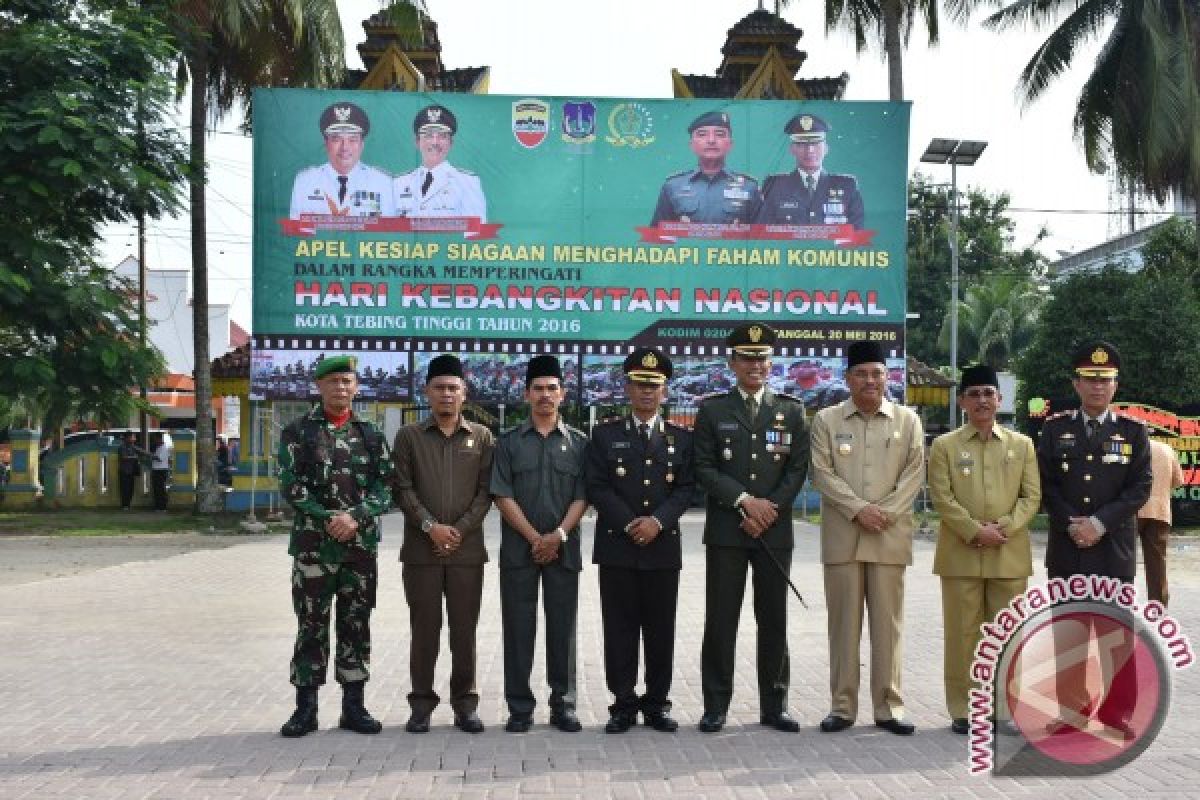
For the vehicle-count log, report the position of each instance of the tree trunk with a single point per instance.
(208, 499)
(893, 47)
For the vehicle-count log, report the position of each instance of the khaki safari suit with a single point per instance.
(973, 481)
(859, 460)
(766, 457)
(443, 479)
(1154, 518)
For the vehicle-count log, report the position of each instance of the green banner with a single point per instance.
(575, 225)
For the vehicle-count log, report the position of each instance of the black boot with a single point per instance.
(355, 716)
(304, 718)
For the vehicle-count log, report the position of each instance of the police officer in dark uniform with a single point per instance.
(809, 195)
(334, 470)
(639, 478)
(709, 193)
(751, 459)
(1095, 471)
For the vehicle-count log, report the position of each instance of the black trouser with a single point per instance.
(127, 480)
(518, 612)
(158, 482)
(638, 606)
(725, 584)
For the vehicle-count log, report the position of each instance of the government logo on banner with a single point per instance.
(530, 122)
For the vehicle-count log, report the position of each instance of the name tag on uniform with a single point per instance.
(620, 445)
(834, 208)
(727, 426)
(736, 194)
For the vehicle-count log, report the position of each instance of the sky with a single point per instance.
(964, 88)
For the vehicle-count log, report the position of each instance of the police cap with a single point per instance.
(1096, 359)
(344, 118)
(752, 339)
(542, 367)
(714, 119)
(328, 366)
(435, 118)
(806, 128)
(445, 364)
(647, 365)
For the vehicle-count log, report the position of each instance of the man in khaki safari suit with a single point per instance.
(867, 462)
(984, 482)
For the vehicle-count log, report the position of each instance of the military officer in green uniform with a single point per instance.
(639, 478)
(334, 470)
(1095, 470)
(709, 193)
(751, 459)
(808, 195)
(983, 479)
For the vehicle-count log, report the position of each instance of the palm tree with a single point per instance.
(892, 22)
(996, 319)
(1141, 104)
(227, 48)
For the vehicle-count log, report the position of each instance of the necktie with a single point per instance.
(425, 184)
(752, 407)
(342, 188)
(810, 182)
(644, 432)
(1093, 426)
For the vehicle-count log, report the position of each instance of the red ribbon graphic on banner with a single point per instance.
(469, 227)
(841, 235)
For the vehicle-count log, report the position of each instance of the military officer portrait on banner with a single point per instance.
(343, 186)
(1096, 473)
(809, 195)
(437, 188)
(868, 462)
(443, 469)
(751, 458)
(709, 193)
(983, 479)
(334, 471)
(640, 481)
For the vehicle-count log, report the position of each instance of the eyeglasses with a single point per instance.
(988, 393)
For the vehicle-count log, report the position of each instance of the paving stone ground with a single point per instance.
(167, 678)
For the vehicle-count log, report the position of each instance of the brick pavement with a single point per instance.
(168, 679)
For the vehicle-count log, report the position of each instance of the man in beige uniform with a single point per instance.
(985, 486)
(867, 463)
(1154, 518)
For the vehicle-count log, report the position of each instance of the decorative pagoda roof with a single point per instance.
(402, 52)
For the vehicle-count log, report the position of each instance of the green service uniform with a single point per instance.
(324, 470)
(765, 457)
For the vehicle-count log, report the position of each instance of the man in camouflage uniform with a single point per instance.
(334, 470)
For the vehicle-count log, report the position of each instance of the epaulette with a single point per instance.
(1070, 412)
(833, 176)
(1125, 416)
(744, 177)
(609, 420)
(705, 398)
(465, 171)
(791, 397)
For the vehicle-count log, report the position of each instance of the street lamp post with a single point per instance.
(954, 152)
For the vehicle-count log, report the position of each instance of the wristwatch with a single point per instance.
(427, 525)
(561, 534)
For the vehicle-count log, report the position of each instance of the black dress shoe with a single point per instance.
(711, 722)
(468, 722)
(618, 723)
(782, 721)
(900, 727)
(566, 721)
(417, 723)
(833, 723)
(960, 726)
(518, 723)
(660, 721)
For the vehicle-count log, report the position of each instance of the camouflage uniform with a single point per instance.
(323, 470)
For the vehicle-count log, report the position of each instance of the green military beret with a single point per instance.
(336, 364)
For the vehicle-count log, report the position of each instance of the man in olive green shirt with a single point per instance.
(985, 486)
(443, 468)
(539, 487)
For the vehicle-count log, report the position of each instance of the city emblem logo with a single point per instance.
(579, 122)
(530, 122)
(630, 125)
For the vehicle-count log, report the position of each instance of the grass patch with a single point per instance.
(107, 522)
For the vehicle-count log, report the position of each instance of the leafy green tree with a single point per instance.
(986, 247)
(1150, 320)
(227, 49)
(1169, 251)
(1140, 106)
(83, 98)
(997, 319)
